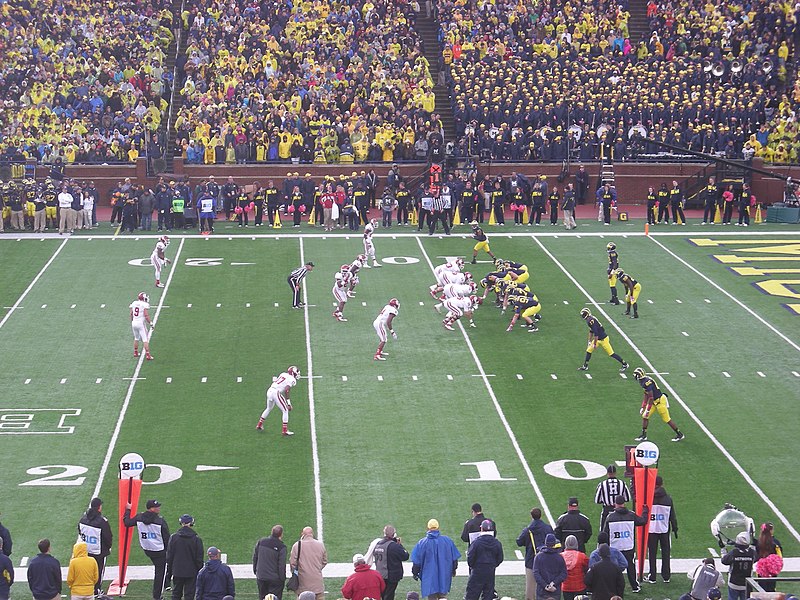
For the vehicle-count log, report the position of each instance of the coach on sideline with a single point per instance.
(295, 280)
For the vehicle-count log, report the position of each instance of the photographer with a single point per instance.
(387, 554)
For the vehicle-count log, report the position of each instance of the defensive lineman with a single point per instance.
(278, 395)
(158, 259)
(369, 246)
(140, 321)
(383, 326)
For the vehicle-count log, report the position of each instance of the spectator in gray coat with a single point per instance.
(269, 563)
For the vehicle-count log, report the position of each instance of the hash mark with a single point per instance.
(422, 304)
(247, 305)
(189, 305)
(760, 374)
(380, 377)
(795, 373)
(363, 304)
(553, 376)
(73, 306)
(169, 379)
(102, 306)
(449, 378)
(726, 374)
(414, 378)
(219, 305)
(519, 376)
(27, 381)
(344, 377)
(565, 302)
(678, 301)
(623, 375)
(63, 381)
(683, 333)
(44, 305)
(588, 376)
(203, 379)
(706, 300)
(649, 301)
(276, 305)
(98, 380)
(692, 375)
(238, 380)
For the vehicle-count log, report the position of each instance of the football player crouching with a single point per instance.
(442, 271)
(458, 307)
(455, 290)
(527, 306)
(355, 267)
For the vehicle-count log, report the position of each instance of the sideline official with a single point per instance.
(662, 520)
(153, 537)
(608, 490)
(95, 530)
(621, 528)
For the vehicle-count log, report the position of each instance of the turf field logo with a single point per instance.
(37, 421)
(646, 454)
(775, 261)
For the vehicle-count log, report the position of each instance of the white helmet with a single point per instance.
(345, 267)
(293, 371)
(164, 239)
(144, 297)
(374, 222)
(362, 257)
(394, 302)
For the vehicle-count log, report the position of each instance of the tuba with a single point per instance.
(602, 130)
(707, 66)
(718, 69)
(637, 130)
(575, 131)
(766, 67)
(736, 66)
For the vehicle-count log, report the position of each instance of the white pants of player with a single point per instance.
(439, 273)
(275, 398)
(380, 329)
(158, 264)
(369, 250)
(339, 294)
(140, 332)
(449, 291)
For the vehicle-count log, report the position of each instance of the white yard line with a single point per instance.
(32, 283)
(311, 406)
(115, 435)
(497, 406)
(674, 395)
(730, 296)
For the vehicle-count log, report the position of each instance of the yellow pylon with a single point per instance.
(456, 218)
(414, 216)
(680, 221)
(718, 214)
(492, 220)
(758, 214)
(311, 220)
(525, 216)
(277, 223)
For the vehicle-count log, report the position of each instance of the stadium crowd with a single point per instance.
(83, 82)
(303, 82)
(530, 81)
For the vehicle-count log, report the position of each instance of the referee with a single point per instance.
(438, 213)
(608, 490)
(295, 280)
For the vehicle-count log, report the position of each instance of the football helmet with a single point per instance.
(638, 373)
(585, 313)
(473, 286)
(498, 262)
(611, 246)
(467, 275)
(474, 224)
(619, 273)
(144, 297)
(460, 262)
(374, 223)
(394, 302)
(164, 239)
(345, 267)
(362, 257)
(473, 299)
(293, 371)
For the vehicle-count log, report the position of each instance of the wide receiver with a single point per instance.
(140, 321)
(355, 267)
(654, 401)
(383, 326)
(369, 246)
(341, 285)
(158, 259)
(278, 395)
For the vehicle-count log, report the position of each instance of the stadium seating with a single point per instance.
(83, 81)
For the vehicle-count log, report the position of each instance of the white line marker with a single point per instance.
(344, 377)
(363, 304)
(519, 555)
(760, 374)
(247, 305)
(523, 461)
(519, 376)
(449, 378)
(63, 381)
(312, 416)
(276, 305)
(414, 378)
(422, 304)
(102, 306)
(129, 394)
(692, 375)
(726, 374)
(188, 306)
(565, 302)
(553, 376)
(380, 377)
(203, 379)
(73, 306)
(588, 375)
(43, 306)
(27, 381)
(24, 561)
(483, 375)
(795, 373)
(99, 380)
(219, 305)
(671, 390)
(678, 301)
(649, 301)
(684, 334)
(706, 300)
(238, 380)
(713, 552)
(623, 375)
(169, 379)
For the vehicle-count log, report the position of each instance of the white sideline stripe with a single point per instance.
(497, 407)
(129, 394)
(341, 570)
(32, 283)
(730, 296)
(672, 391)
(311, 408)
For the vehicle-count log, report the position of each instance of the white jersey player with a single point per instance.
(278, 395)
(456, 290)
(369, 246)
(355, 267)
(341, 283)
(158, 259)
(140, 321)
(458, 307)
(448, 267)
(450, 278)
(383, 326)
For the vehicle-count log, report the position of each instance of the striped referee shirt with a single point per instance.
(298, 274)
(609, 489)
(438, 204)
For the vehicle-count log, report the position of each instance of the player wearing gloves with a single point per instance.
(278, 395)
(654, 401)
(458, 307)
(140, 321)
(526, 305)
(383, 326)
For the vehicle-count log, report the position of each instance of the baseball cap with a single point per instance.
(573, 501)
(550, 540)
(619, 499)
(358, 558)
(152, 504)
(659, 481)
(213, 551)
(433, 524)
(412, 596)
(714, 594)
(743, 539)
(186, 519)
(486, 525)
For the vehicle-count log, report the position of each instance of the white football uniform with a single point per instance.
(450, 277)
(457, 306)
(457, 290)
(340, 285)
(138, 323)
(445, 268)
(380, 321)
(276, 395)
(355, 266)
(157, 262)
(369, 247)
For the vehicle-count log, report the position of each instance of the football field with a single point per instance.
(450, 418)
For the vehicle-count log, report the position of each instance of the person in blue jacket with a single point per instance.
(532, 538)
(215, 580)
(435, 560)
(549, 569)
